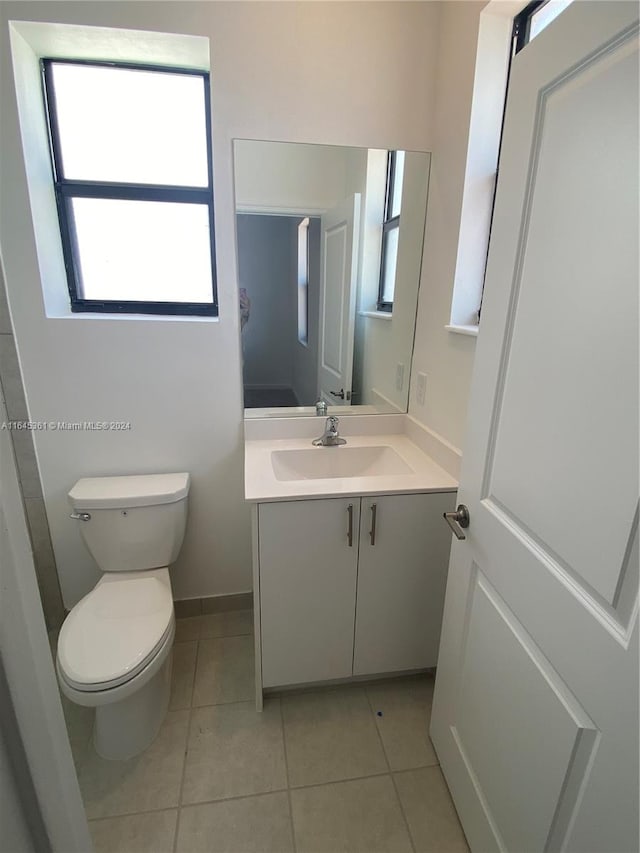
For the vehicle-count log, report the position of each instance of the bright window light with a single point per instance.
(390, 230)
(143, 250)
(132, 126)
(545, 14)
(133, 180)
(303, 281)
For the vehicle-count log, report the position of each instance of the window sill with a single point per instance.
(161, 318)
(376, 315)
(471, 331)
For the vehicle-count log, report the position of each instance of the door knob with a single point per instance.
(339, 394)
(456, 520)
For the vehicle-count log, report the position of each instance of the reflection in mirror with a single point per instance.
(329, 253)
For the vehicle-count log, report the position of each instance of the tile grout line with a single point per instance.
(393, 773)
(254, 794)
(202, 616)
(286, 767)
(220, 639)
(215, 637)
(385, 772)
(186, 750)
(178, 806)
(231, 799)
(199, 656)
(226, 636)
(132, 814)
(222, 704)
(274, 791)
(393, 780)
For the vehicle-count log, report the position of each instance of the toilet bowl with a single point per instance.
(115, 646)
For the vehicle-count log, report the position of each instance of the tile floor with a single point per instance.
(338, 770)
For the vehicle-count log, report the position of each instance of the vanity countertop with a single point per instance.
(261, 484)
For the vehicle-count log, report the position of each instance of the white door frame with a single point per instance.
(28, 665)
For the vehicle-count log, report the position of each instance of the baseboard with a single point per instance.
(269, 386)
(213, 604)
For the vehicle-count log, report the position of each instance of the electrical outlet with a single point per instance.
(421, 389)
(399, 376)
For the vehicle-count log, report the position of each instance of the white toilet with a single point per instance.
(114, 648)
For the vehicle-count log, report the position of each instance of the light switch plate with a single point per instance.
(421, 388)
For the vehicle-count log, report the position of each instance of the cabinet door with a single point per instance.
(401, 582)
(307, 589)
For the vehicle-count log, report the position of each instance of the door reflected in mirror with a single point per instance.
(329, 255)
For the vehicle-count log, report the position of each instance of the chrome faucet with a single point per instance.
(329, 437)
(321, 408)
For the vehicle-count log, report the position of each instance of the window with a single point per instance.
(526, 26)
(131, 154)
(534, 18)
(303, 281)
(390, 230)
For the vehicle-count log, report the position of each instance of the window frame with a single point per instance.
(303, 281)
(388, 224)
(520, 32)
(522, 25)
(67, 189)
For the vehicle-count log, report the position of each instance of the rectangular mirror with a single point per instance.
(329, 253)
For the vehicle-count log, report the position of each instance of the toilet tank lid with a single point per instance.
(129, 491)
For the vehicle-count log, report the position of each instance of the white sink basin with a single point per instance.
(323, 463)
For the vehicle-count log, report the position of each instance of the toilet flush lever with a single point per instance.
(81, 516)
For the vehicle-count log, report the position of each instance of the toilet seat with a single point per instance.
(116, 630)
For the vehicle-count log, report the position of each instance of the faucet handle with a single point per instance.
(321, 407)
(332, 423)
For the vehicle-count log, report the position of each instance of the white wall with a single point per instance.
(305, 72)
(305, 178)
(446, 358)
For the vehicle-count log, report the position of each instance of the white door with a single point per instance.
(308, 553)
(535, 716)
(338, 286)
(402, 573)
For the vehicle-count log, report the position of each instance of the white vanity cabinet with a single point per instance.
(339, 597)
(308, 574)
(402, 576)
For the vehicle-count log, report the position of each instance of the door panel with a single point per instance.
(535, 715)
(338, 287)
(504, 676)
(561, 457)
(401, 582)
(307, 590)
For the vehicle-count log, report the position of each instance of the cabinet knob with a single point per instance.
(456, 520)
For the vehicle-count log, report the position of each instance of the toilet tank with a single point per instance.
(135, 522)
